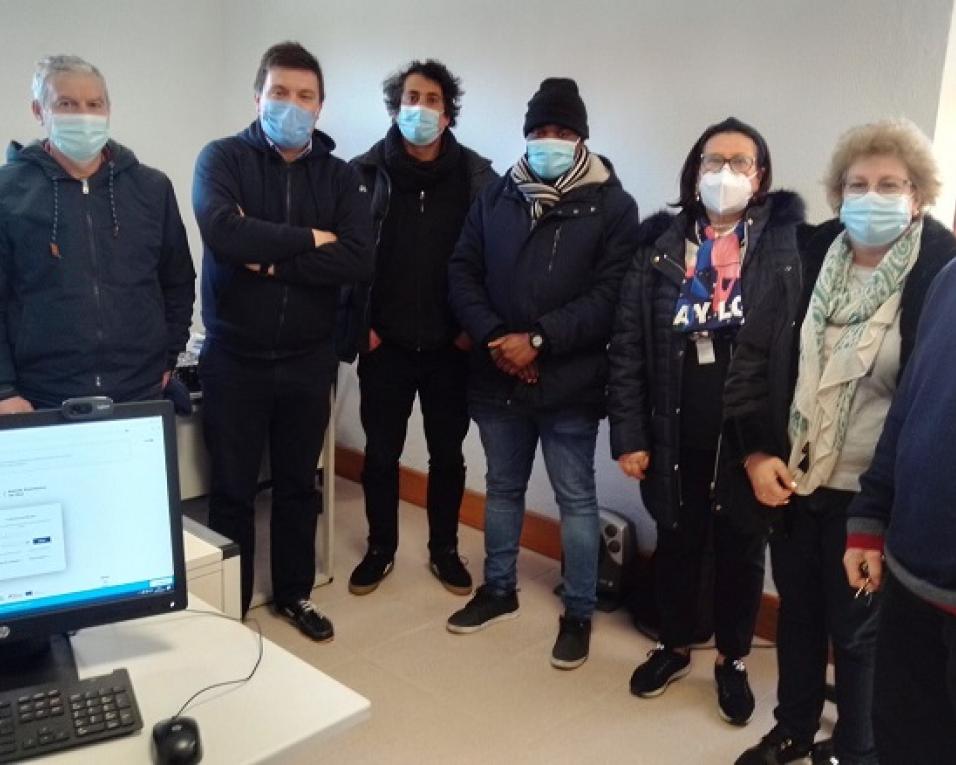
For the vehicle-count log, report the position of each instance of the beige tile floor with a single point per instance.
(492, 697)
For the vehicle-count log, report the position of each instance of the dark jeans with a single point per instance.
(681, 555)
(914, 706)
(247, 403)
(389, 379)
(817, 607)
(510, 438)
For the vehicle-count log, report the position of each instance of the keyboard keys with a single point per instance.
(42, 720)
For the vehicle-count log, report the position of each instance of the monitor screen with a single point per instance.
(90, 524)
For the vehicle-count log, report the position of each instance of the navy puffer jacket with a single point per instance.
(561, 275)
(646, 353)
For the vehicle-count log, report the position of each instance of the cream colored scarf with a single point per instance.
(825, 386)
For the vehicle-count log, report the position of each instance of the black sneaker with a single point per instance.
(484, 609)
(375, 566)
(662, 667)
(735, 700)
(822, 753)
(571, 648)
(451, 571)
(776, 748)
(304, 615)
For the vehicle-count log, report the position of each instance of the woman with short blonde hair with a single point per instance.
(805, 402)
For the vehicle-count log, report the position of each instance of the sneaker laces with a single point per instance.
(307, 606)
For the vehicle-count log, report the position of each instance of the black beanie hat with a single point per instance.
(557, 102)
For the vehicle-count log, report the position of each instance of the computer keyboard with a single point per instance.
(41, 719)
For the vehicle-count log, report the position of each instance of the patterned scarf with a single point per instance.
(710, 296)
(825, 386)
(541, 195)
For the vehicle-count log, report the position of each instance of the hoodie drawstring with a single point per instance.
(113, 202)
(54, 247)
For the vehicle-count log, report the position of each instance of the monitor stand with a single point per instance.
(37, 661)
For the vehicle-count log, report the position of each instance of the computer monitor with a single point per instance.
(90, 528)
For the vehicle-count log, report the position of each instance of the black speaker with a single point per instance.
(617, 557)
(617, 560)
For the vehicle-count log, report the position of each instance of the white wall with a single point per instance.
(653, 75)
(163, 64)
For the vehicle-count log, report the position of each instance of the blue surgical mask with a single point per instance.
(419, 124)
(81, 137)
(550, 158)
(287, 125)
(874, 220)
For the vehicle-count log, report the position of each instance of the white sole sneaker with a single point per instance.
(467, 630)
(658, 691)
(561, 664)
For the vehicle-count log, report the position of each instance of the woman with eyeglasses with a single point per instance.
(690, 286)
(806, 397)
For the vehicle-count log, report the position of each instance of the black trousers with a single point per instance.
(914, 702)
(817, 607)
(246, 404)
(682, 553)
(389, 378)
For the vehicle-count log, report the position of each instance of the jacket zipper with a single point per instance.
(418, 277)
(367, 318)
(98, 379)
(285, 287)
(554, 247)
(720, 443)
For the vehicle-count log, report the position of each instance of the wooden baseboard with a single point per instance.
(541, 533)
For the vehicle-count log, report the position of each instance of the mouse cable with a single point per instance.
(237, 681)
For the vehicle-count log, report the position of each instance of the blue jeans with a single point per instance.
(510, 436)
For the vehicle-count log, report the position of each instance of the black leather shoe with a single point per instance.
(304, 615)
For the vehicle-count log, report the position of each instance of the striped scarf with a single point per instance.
(542, 196)
(820, 411)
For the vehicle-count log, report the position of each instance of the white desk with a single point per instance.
(212, 568)
(281, 715)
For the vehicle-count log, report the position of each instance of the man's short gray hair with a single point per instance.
(49, 66)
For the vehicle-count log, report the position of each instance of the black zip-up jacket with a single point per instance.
(96, 279)
(646, 353)
(763, 374)
(560, 276)
(408, 300)
(253, 207)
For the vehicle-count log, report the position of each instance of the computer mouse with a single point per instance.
(176, 742)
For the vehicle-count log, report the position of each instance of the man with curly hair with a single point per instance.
(421, 183)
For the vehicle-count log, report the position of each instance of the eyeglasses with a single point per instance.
(888, 186)
(739, 163)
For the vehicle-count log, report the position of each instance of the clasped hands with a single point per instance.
(513, 355)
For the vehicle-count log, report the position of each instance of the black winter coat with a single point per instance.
(253, 207)
(107, 310)
(355, 303)
(763, 374)
(561, 276)
(647, 354)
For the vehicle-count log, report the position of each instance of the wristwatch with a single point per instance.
(536, 339)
